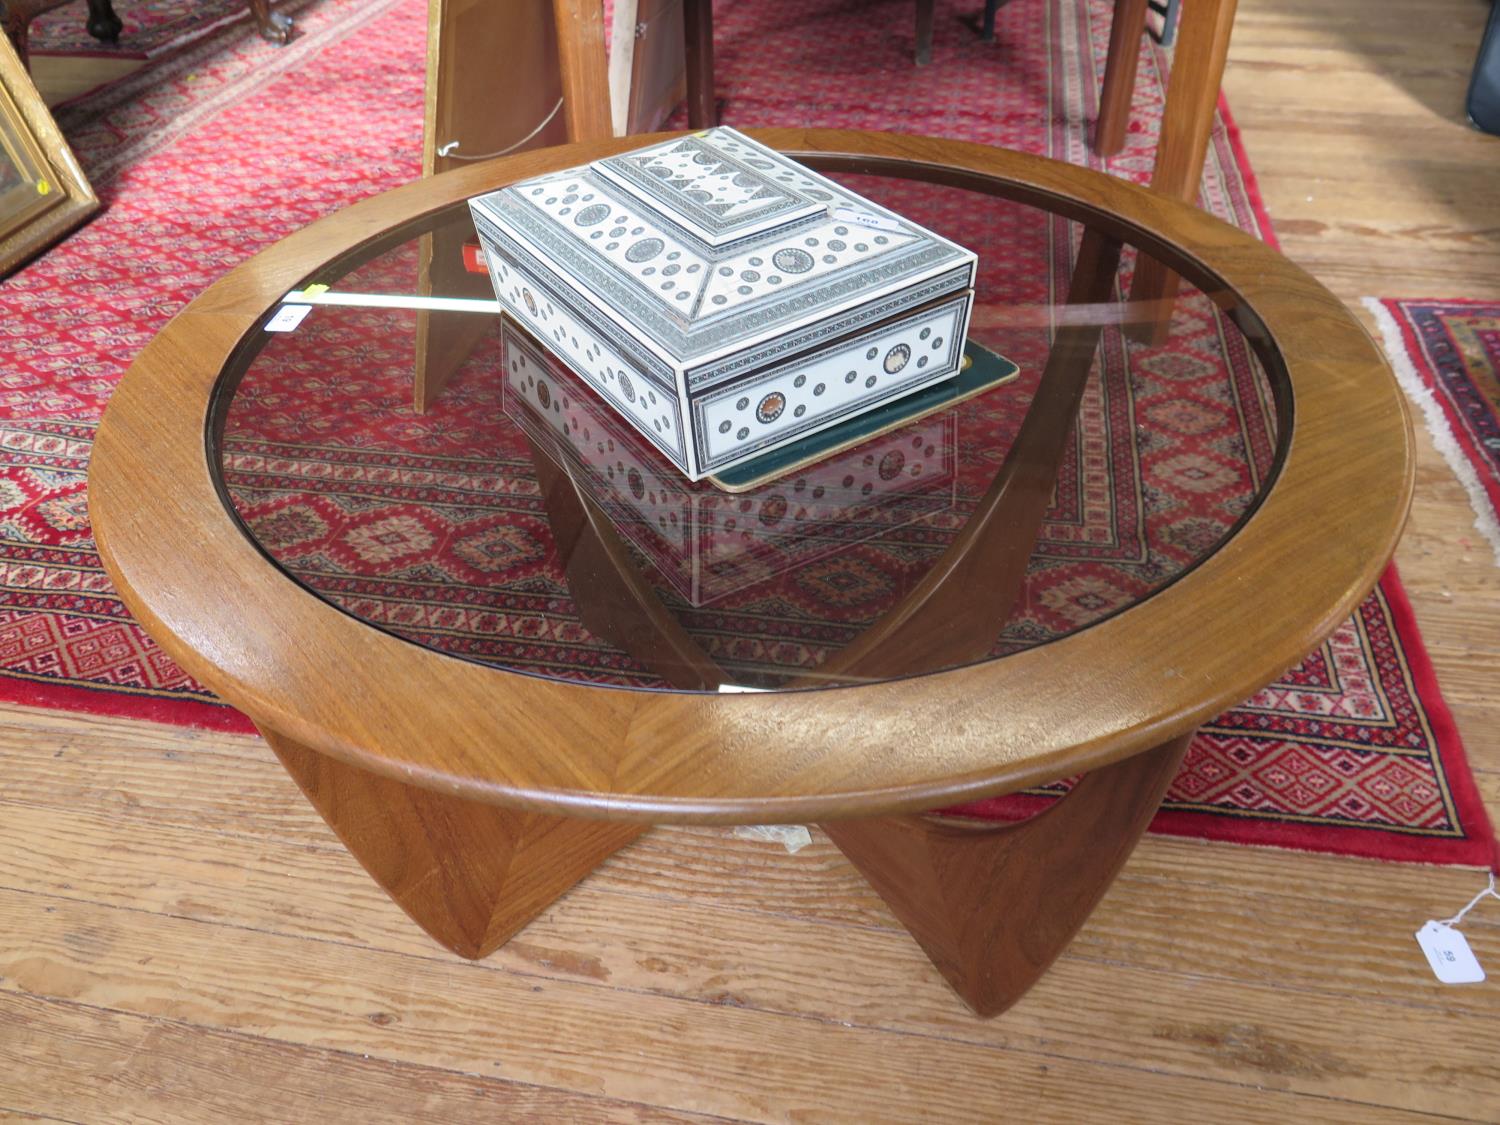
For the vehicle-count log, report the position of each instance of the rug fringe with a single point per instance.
(1485, 521)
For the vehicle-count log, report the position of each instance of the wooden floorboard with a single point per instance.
(183, 940)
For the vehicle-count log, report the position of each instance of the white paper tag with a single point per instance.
(1448, 952)
(287, 318)
(865, 219)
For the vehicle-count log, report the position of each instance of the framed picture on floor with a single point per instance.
(43, 192)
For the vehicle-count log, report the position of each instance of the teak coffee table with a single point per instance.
(496, 639)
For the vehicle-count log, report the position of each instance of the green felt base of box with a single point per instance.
(982, 370)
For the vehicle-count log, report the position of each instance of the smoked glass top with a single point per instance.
(442, 476)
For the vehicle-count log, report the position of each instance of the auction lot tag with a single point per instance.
(1448, 952)
(287, 318)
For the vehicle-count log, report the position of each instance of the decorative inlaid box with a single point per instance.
(722, 298)
(705, 543)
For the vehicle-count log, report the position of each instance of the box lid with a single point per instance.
(707, 245)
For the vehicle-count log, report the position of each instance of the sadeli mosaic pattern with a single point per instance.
(714, 269)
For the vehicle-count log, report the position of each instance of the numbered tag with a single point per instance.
(865, 219)
(287, 318)
(1448, 952)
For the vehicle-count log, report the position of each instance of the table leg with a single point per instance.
(469, 874)
(698, 37)
(585, 74)
(102, 23)
(924, 32)
(275, 27)
(1120, 65)
(993, 905)
(1187, 120)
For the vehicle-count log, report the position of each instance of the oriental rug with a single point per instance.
(1447, 356)
(222, 149)
(152, 28)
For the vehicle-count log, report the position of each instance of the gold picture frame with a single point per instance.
(43, 191)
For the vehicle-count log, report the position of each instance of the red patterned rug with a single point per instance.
(152, 28)
(1353, 752)
(1447, 356)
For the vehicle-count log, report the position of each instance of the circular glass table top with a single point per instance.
(441, 476)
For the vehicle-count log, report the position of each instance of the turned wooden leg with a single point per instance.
(585, 73)
(1187, 120)
(102, 23)
(1120, 66)
(993, 905)
(924, 32)
(469, 874)
(987, 28)
(276, 27)
(698, 37)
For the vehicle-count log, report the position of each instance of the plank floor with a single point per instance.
(182, 940)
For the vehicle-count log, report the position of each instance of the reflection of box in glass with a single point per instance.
(708, 543)
(722, 298)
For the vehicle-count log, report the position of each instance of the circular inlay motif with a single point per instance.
(626, 387)
(543, 394)
(699, 194)
(637, 485)
(644, 250)
(724, 426)
(837, 244)
(749, 275)
(892, 464)
(744, 432)
(773, 509)
(896, 359)
(742, 403)
(769, 408)
(530, 301)
(791, 260)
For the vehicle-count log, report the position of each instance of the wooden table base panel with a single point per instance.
(469, 874)
(993, 906)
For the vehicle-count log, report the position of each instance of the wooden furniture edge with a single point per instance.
(223, 610)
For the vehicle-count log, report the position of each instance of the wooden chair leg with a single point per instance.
(993, 906)
(1115, 95)
(1192, 98)
(924, 31)
(275, 27)
(585, 74)
(102, 23)
(987, 29)
(698, 38)
(469, 874)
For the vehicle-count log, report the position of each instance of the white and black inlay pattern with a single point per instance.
(896, 359)
(644, 250)
(626, 387)
(769, 408)
(592, 215)
(792, 260)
